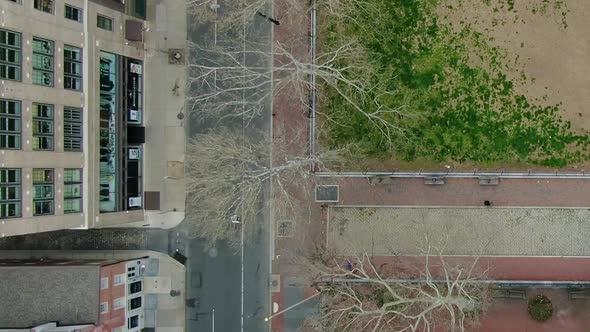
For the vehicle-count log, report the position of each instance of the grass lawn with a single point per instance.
(480, 82)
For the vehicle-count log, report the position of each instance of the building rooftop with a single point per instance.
(35, 295)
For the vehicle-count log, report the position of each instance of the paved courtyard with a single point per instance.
(460, 231)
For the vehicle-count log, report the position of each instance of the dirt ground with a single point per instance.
(550, 45)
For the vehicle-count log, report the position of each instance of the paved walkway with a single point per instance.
(463, 192)
(460, 231)
(523, 268)
(165, 134)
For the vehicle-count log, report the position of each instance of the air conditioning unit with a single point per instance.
(134, 201)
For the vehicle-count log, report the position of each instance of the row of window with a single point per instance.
(43, 128)
(43, 61)
(119, 303)
(70, 12)
(43, 191)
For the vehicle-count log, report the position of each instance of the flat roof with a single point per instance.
(34, 295)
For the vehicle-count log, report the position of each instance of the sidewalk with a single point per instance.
(165, 86)
(462, 192)
(170, 312)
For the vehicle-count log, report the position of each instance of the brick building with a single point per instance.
(74, 295)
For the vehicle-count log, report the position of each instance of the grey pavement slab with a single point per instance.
(460, 231)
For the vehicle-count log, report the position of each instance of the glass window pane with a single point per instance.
(72, 175)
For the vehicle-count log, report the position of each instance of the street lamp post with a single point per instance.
(266, 319)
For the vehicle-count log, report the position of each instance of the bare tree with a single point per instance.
(358, 295)
(233, 17)
(226, 14)
(238, 81)
(228, 175)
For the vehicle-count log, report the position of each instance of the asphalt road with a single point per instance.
(214, 275)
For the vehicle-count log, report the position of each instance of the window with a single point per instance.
(43, 193)
(42, 62)
(72, 190)
(133, 322)
(104, 283)
(118, 279)
(72, 68)
(135, 303)
(135, 287)
(10, 55)
(10, 193)
(10, 124)
(42, 126)
(43, 5)
(104, 307)
(119, 303)
(104, 22)
(73, 13)
(16, 1)
(72, 129)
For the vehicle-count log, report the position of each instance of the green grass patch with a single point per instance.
(452, 86)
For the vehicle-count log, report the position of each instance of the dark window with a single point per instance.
(104, 22)
(72, 68)
(44, 5)
(135, 303)
(10, 193)
(135, 287)
(42, 126)
(10, 124)
(73, 13)
(133, 322)
(10, 55)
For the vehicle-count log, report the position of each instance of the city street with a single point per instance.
(232, 282)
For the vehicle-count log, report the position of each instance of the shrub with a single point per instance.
(540, 308)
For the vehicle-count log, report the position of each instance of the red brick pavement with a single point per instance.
(492, 268)
(464, 192)
(512, 316)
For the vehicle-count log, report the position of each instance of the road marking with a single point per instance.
(243, 136)
(242, 275)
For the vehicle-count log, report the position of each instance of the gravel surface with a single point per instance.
(460, 231)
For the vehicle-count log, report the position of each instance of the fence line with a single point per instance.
(500, 283)
(313, 96)
(475, 174)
